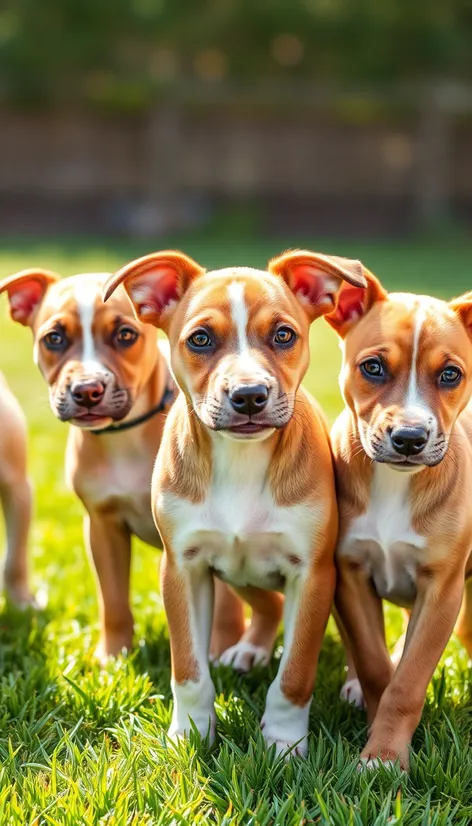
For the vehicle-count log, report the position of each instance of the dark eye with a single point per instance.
(55, 340)
(450, 377)
(199, 340)
(372, 368)
(285, 336)
(126, 336)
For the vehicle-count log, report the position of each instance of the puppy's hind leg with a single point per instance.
(257, 642)
(464, 623)
(228, 623)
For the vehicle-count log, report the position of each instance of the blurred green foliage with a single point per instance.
(127, 51)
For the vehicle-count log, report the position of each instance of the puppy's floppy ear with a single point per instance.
(26, 290)
(463, 307)
(316, 279)
(155, 283)
(353, 303)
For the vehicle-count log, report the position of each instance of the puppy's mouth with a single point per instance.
(249, 428)
(90, 421)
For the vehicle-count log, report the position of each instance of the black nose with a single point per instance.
(249, 399)
(409, 441)
(87, 393)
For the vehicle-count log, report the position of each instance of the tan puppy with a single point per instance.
(403, 452)
(15, 497)
(243, 484)
(109, 379)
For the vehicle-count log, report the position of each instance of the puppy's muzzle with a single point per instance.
(249, 400)
(409, 441)
(87, 393)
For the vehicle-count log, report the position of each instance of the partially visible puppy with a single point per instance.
(15, 497)
(403, 458)
(110, 380)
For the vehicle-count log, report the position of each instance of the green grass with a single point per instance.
(80, 745)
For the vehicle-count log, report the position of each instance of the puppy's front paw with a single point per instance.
(18, 594)
(205, 725)
(351, 692)
(243, 656)
(194, 708)
(285, 724)
(290, 748)
(391, 756)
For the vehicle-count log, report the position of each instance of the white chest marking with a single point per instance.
(239, 530)
(86, 294)
(383, 536)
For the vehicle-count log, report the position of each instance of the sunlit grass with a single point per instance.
(83, 746)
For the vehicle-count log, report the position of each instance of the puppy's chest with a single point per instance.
(240, 532)
(123, 483)
(384, 540)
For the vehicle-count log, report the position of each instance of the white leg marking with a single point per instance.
(194, 700)
(243, 656)
(285, 724)
(351, 692)
(86, 293)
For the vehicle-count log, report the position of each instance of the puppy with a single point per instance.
(243, 485)
(15, 497)
(403, 458)
(110, 380)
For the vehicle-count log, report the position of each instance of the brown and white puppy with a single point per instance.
(15, 497)
(243, 485)
(403, 457)
(103, 369)
(109, 378)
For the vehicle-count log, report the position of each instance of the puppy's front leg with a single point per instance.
(188, 599)
(16, 501)
(308, 601)
(109, 544)
(431, 625)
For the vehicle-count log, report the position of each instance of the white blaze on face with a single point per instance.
(239, 314)
(86, 293)
(414, 403)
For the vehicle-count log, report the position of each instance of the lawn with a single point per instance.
(80, 745)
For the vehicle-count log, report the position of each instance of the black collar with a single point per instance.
(118, 428)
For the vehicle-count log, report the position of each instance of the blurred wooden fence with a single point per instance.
(344, 160)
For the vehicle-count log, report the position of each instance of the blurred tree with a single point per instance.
(123, 50)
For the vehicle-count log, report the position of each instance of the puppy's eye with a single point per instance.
(285, 336)
(450, 377)
(54, 340)
(126, 336)
(199, 340)
(372, 368)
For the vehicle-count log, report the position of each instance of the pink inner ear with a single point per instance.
(154, 291)
(24, 298)
(316, 286)
(350, 304)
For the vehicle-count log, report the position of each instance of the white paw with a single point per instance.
(193, 709)
(285, 724)
(290, 748)
(22, 598)
(243, 656)
(205, 725)
(373, 763)
(351, 692)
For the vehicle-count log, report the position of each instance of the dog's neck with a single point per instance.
(284, 460)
